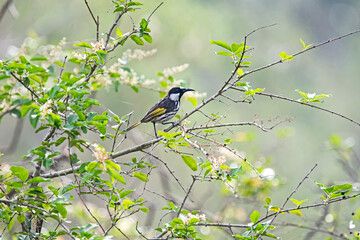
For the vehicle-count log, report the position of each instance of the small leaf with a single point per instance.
(296, 212)
(137, 40)
(83, 44)
(254, 216)
(143, 177)
(223, 53)
(190, 162)
(267, 200)
(147, 38)
(193, 101)
(20, 172)
(21, 218)
(38, 179)
(118, 32)
(221, 44)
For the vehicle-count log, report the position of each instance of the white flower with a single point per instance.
(99, 153)
(217, 161)
(136, 54)
(98, 45)
(195, 95)
(80, 56)
(189, 216)
(171, 71)
(46, 108)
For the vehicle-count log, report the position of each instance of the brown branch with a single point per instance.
(135, 148)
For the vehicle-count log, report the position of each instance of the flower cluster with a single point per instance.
(99, 153)
(217, 161)
(46, 108)
(136, 54)
(195, 94)
(187, 217)
(98, 45)
(171, 71)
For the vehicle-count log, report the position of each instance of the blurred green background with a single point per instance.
(181, 32)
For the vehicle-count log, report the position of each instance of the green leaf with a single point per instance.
(143, 177)
(20, 172)
(118, 177)
(223, 53)
(38, 58)
(190, 162)
(38, 179)
(34, 118)
(21, 218)
(267, 200)
(125, 193)
(147, 38)
(143, 24)
(193, 101)
(118, 32)
(297, 202)
(285, 57)
(137, 40)
(48, 163)
(254, 216)
(221, 44)
(144, 209)
(61, 209)
(83, 44)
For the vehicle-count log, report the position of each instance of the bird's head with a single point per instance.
(176, 93)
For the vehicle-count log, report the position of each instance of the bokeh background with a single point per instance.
(181, 32)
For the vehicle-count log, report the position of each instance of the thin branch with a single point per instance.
(22, 83)
(91, 13)
(228, 225)
(148, 19)
(167, 167)
(112, 28)
(228, 125)
(135, 148)
(186, 196)
(300, 102)
(287, 199)
(313, 229)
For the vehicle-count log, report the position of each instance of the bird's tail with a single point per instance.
(133, 126)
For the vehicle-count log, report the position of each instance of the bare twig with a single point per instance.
(148, 19)
(300, 102)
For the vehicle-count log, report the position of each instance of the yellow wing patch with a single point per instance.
(156, 112)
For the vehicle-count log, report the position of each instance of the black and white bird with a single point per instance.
(165, 109)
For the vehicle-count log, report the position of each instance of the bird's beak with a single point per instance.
(188, 89)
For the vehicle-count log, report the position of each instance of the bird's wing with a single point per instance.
(163, 106)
